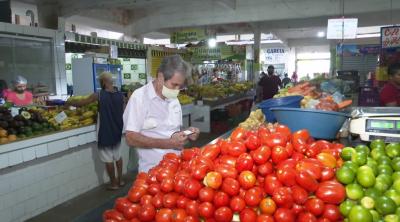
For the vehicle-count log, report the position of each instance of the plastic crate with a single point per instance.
(368, 96)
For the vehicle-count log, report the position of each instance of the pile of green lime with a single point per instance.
(372, 180)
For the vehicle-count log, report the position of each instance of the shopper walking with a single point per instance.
(285, 80)
(111, 107)
(153, 115)
(270, 84)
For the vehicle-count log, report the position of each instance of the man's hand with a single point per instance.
(196, 133)
(178, 140)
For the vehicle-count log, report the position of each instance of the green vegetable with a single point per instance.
(365, 176)
(347, 152)
(359, 214)
(345, 175)
(354, 191)
(385, 205)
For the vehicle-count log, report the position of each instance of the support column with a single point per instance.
(48, 15)
(256, 54)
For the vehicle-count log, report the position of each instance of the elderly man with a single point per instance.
(111, 108)
(153, 115)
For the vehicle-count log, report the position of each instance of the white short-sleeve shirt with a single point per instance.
(154, 117)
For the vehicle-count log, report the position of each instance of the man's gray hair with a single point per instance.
(174, 64)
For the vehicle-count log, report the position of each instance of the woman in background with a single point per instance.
(20, 96)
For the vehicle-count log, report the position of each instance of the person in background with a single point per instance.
(270, 84)
(285, 80)
(294, 77)
(390, 94)
(19, 96)
(110, 124)
(153, 115)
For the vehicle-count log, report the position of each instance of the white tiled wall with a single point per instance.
(34, 187)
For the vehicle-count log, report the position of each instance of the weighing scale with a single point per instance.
(372, 123)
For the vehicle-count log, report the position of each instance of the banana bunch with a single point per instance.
(185, 99)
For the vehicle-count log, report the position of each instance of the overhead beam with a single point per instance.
(228, 4)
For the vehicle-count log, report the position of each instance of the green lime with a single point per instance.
(396, 185)
(396, 176)
(393, 150)
(394, 195)
(354, 191)
(385, 205)
(396, 164)
(376, 153)
(392, 218)
(345, 175)
(347, 152)
(383, 182)
(373, 164)
(365, 176)
(385, 169)
(375, 215)
(384, 160)
(398, 211)
(373, 193)
(362, 148)
(367, 202)
(359, 214)
(359, 158)
(377, 143)
(346, 206)
(353, 166)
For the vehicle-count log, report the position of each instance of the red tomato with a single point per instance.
(284, 215)
(306, 217)
(223, 214)
(279, 154)
(163, 215)
(153, 189)
(112, 215)
(230, 186)
(206, 210)
(213, 180)
(267, 206)
(179, 184)
(331, 212)
(306, 181)
(301, 134)
(265, 169)
(252, 142)
(169, 200)
(210, 151)
(199, 171)
(206, 194)
(164, 173)
(284, 130)
(147, 213)
(121, 204)
(315, 206)
(221, 199)
(297, 156)
(271, 183)
(191, 219)
(237, 204)
(182, 201)
(135, 194)
(227, 160)
(261, 155)
(188, 154)
(167, 185)
(331, 192)
(311, 166)
(327, 174)
(265, 218)
(226, 171)
(276, 139)
(247, 179)
(289, 148)
(131, 211)
(282, 196)
(224, 145)
(253, 196)
(192, 208)
(178, 215)
(297, 208)
(299, 194)
(327, 160)
(248, 215)
(192, 188)
(157, 200)
(313, 149)
(238, 134)
(287, 176)
(244, 162)
(236, 148)
(321, 219)
(146, 199)
(288, 163)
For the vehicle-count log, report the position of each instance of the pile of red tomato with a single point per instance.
(265, 175)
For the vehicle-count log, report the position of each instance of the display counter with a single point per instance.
(42, 172)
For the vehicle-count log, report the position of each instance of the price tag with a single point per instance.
(60, 117)
(14, 111)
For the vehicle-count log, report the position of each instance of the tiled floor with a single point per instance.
(89, 206)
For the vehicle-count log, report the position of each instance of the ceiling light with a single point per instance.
(321, 34)
(368, 35)
(212, 43)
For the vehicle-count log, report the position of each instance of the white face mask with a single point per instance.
(169, 93)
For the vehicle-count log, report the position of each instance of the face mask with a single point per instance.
(169, 93)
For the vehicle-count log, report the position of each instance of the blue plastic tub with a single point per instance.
(288, 101)
(320, 124)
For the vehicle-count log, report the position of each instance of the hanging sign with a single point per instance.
(276, 55)
(343, 28)
(188, 35)
(390, 37)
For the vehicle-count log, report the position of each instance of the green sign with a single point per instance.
(142, 75)
(134, 67)
(188, 35)
(127, 76)
(68, 66)
(218, 53)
